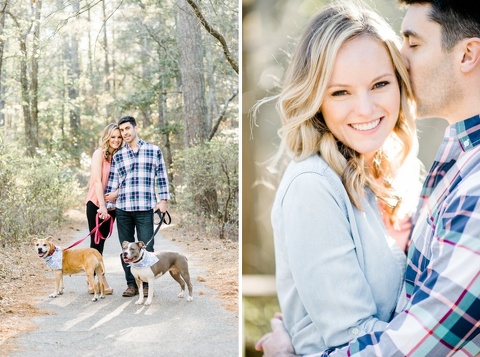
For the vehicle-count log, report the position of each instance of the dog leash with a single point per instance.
(95, 230)
(162, 220)
(98, 234)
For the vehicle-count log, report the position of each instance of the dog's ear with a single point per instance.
(49, 239)
(34, 240)
(140, 244)
(124, 244)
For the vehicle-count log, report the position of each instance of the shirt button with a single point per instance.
(355, 331)
(466, 143)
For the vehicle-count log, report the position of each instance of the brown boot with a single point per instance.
(131, 291)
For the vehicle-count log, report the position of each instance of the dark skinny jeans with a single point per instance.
(127, 223)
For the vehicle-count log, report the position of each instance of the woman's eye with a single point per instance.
(381, 84)
(339, 93)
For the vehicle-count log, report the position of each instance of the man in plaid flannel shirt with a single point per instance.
(137, 169)
(439, 311)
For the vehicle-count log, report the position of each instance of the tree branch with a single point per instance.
(221, 116)
(215, 34)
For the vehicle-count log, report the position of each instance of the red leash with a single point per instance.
(96, 230)
(98, 234)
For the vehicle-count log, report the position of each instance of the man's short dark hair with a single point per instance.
(127, 119)
(459, 19)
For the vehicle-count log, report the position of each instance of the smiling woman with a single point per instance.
(345, 110)
(362, 100)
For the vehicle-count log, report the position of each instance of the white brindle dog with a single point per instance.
(147, 266)
(68, 262)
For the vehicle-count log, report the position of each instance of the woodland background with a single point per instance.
(270, 29)
(69, 67)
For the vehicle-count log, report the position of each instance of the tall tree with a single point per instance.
(189, 41)
(3, 15)
(73, 79)
(34, 79)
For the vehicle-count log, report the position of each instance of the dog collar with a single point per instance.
(51, 251)
(148, 259)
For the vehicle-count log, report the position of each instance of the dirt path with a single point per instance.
(25, 282)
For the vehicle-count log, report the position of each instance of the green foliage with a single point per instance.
(35, 193)
(206, 181)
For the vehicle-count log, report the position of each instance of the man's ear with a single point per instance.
(471, 54)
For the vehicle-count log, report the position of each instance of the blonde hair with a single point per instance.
(304, 131)
(107, 133)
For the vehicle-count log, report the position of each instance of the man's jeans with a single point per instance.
(126, 224)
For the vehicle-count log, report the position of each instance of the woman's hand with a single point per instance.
(102, 212)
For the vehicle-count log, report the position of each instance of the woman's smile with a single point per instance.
(366, 126)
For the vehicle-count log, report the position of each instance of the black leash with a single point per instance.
(162, 220)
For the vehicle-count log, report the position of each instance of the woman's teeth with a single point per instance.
(366, 126)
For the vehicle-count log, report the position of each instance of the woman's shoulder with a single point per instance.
(312, 168)
(98, 155)
(314, 164)
(309, 177)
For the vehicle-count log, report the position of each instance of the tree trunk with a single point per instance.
(2, 47)
(27, 118)
(73, 78)
(34, 79)
(105, 46)
(190, 46)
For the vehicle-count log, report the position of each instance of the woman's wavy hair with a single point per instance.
(104, 140)
(304, 131)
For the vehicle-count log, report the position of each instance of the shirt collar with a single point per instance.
(468, 132)
(140, 144)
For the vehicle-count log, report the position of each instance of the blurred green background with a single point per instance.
(270, 30)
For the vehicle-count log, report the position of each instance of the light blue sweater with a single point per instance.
(338, 272)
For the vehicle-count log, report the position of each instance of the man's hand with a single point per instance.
(276, 343)
(162, 206)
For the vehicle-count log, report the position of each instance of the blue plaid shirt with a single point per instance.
(135, 174)
(440, 311)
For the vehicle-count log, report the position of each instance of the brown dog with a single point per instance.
(147, 266)
(72, 262)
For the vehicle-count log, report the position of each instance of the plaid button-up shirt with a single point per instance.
(440, 311)
(136, 175)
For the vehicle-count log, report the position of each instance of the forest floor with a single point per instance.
(22, 281)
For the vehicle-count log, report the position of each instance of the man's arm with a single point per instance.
(162, 177)
(443, 312)
(113, 178)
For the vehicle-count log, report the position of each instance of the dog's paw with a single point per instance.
(94, 299)
(54, 295)
(190, 299)
(148, 302)
(181, 295)
(139, 302)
